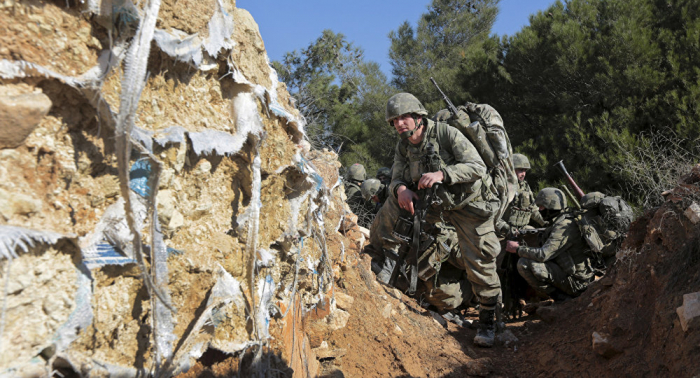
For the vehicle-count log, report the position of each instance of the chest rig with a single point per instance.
(520, 210)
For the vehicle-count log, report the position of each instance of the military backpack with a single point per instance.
(603, 222)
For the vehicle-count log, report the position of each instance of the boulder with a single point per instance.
(12, 204)
(19, 116)
(603, 346)
(693, 213)
(689, 312)
(343, 301)
(481, 367)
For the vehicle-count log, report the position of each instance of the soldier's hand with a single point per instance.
(512, 233)
(428, 179)
(405, 198)
(512, 246)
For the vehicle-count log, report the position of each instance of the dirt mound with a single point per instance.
(628, 323)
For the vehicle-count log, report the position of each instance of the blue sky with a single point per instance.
(291, 25)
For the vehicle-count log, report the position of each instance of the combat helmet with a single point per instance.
(591, 200)
(520, 161)
(383, 171)
(551, 199)
(357, 172)
(370, 188)
(403, 103)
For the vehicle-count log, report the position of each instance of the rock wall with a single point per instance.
(156, 196)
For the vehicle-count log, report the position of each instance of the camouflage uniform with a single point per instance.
(474, 223)
(521, 212)
(561, 263)
(449, 288)
(353, 193)
(384, 175)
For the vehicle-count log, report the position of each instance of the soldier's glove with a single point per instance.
(461, 120)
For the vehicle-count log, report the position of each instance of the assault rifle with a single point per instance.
(453, 109)
(412, 230)
(415, 235)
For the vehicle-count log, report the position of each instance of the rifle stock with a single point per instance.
(569, 180)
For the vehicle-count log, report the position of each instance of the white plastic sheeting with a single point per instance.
(13, 237)
(191, 49)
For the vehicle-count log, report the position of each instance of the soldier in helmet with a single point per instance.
(560, 268)
(356, 175)
(522, 210)
(374, 191)
(468, 204)
(384, 175)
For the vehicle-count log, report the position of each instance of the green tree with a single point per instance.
(342, 98)
(588, 78)
(450, 32)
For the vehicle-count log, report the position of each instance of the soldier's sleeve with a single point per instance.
(563, 234)
(468, 165)
(502, 227)
(536, 217)
(397, 170)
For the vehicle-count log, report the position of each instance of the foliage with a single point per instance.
(342, 98)
(586, 78)
(450, 32)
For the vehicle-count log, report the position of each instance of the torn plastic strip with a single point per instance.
(266, 288)
(173, 134)
(278, 109)
(226, 290)
(110, 242)
(162, 315)
(12, 237)
(222, 143)
(253, 228)
(183, 47)
(221, 28)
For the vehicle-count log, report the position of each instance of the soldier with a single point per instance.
(472, 205)
(560, 268)
(447, 287)
(374, 191)
(384, 175)
(361, 208)
(522, 211)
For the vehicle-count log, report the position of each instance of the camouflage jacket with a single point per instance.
(563, 245)
(461, 164)
(521, 212)
(354, 195)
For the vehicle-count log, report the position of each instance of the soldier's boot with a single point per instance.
(385, 274)
(486, 333)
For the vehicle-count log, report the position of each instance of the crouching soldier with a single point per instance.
(467, 202)
(373, 191)
(561, 268)
(522, 211)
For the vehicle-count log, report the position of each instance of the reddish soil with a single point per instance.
(634, 306)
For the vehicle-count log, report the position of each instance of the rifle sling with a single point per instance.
(414, 254)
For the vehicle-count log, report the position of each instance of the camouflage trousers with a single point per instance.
(478, 244)
(546, 277)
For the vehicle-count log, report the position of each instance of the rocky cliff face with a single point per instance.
(156, 198)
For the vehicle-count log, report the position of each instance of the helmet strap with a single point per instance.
(407, 134)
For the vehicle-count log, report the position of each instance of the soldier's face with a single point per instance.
(404, 123)
(520, 172)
